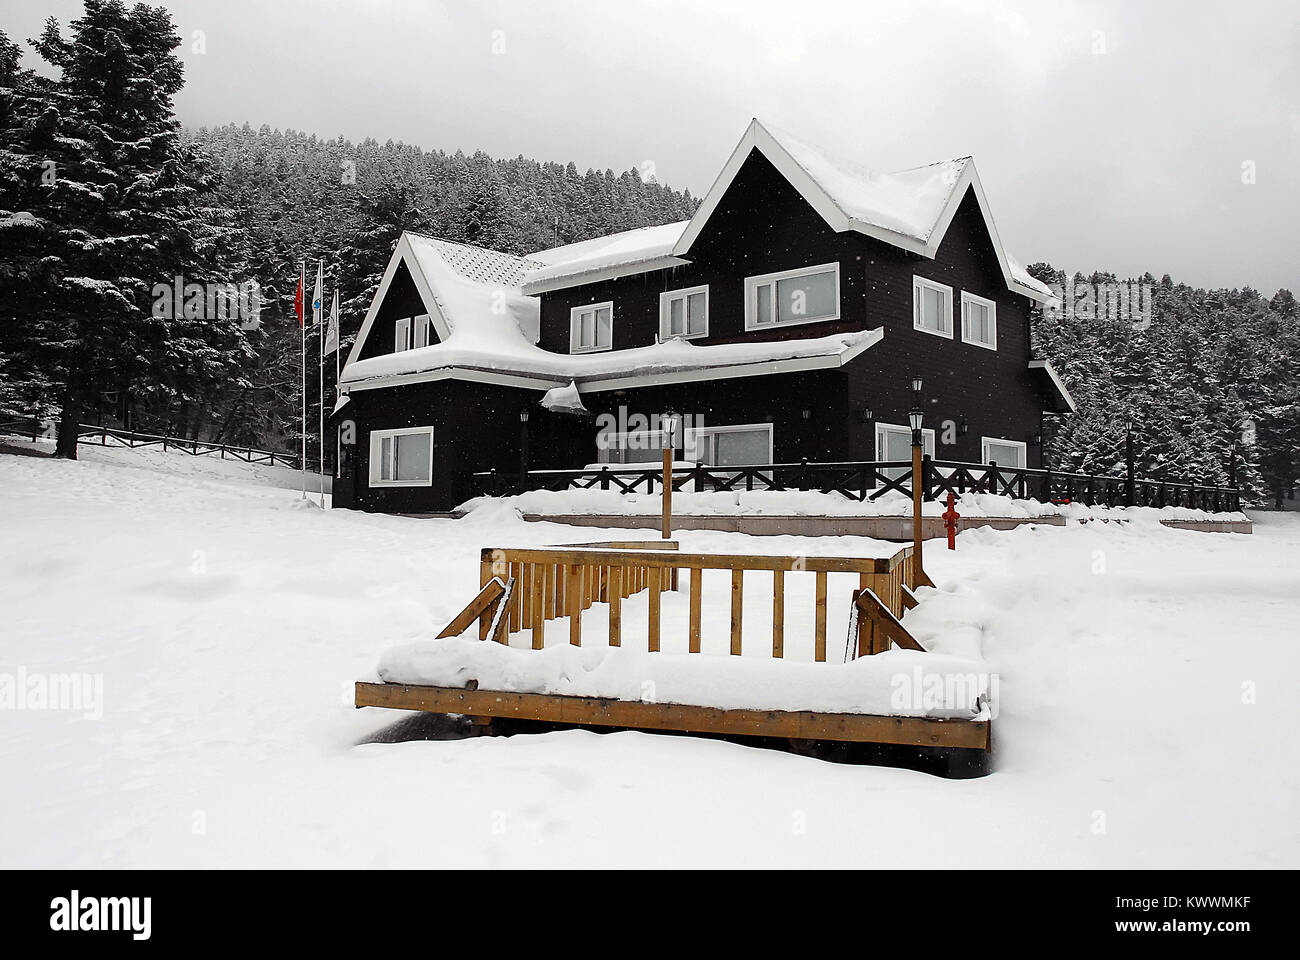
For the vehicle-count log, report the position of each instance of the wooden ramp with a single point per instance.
(526, 588)
(592, 711)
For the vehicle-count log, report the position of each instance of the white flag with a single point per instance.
(316, 299)
(332, 331)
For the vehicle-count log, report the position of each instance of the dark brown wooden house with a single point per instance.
(785, 320)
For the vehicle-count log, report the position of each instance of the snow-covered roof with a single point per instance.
(603, 258)
(910, 209)
(472, 294)
(513, 359)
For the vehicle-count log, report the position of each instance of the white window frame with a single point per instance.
(376, 466)
(421, 328)
(751, 296)
(1019, 444)
(665, 305)
(616, 440)
(927, 438)
(969, 298)
(695, 434)
(919, 284)
(401, 334)
(575, 332)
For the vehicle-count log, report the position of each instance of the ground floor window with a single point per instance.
(401, 458)
(637, 446)
(737, 445)
(1005, 453)
(894, 442)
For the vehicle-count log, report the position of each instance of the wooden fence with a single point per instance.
(526, 588)
(99, 434)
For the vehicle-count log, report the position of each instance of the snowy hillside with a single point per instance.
(228, 622)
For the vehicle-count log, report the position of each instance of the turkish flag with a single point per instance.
(297, 297)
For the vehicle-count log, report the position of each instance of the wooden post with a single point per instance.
(917, 482)
(575, 604)
(537, 576)
(737, 608)
(697, 576)
(668, 493)
(653, 628)
(616, 606)
(819, 635)
(778, 613)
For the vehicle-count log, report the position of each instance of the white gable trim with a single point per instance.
(454, 373)
(1056, 382)
(402, 253)
(757, 137)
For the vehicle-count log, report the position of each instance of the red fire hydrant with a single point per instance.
(950, 518)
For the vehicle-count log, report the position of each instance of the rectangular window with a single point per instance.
(894, 442)
(736, 445)
(931, 307)
(421, 330)
(793, 296)
(636, 447)
(1005, 453)
(402, 335)
(591, 327)
(684, 313)
(979, 321)
(401, 458)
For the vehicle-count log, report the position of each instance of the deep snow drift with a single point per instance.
(1146, 686)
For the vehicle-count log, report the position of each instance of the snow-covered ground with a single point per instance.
(1146, 693)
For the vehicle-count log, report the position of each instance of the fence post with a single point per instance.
(36, 428)
(1128, 469)
(927, 475)
(496, 489)
(1047, 485)
(604, 477)
(699, 477)
(103, 435)
(803, 473)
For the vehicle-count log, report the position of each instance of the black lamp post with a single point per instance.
(523, 447)
(915, 416)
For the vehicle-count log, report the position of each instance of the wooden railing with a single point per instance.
(870, 480)
(526, 588)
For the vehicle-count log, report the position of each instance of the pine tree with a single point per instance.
(121, 218)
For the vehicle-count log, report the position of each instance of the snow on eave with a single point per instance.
(604, 258)
(1046, 366)
(526, 365)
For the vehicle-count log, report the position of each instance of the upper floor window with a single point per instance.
(793, 296)
(591, 327)
(684, 313)
(979, 321)
(409, 332)
(932, 307)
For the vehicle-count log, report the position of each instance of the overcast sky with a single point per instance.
(1108, 135)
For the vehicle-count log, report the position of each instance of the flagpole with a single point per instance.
(338, 375)
(320, 340)
(302, 329)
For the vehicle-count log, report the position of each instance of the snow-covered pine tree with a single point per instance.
(123, 214)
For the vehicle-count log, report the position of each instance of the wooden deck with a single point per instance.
(590, 711)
